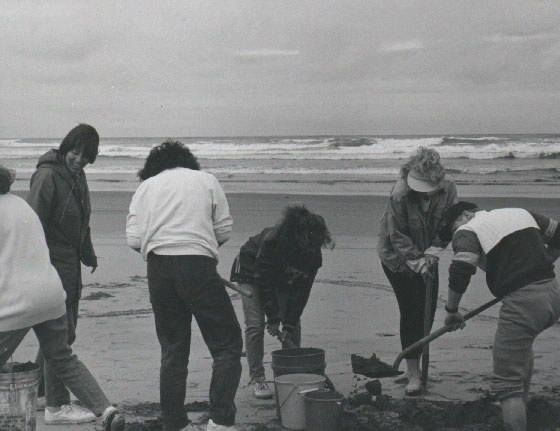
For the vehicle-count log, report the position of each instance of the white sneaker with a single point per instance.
(68, 414)
(215, 427)
(261, 390)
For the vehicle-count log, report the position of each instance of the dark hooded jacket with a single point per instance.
(62, 203)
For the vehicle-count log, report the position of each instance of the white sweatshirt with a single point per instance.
(180, 211)
(30, 289)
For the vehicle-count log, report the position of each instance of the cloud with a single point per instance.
(516, 38)
(267, 53)
(409, 45)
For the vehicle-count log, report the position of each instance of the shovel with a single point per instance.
(375, 368)
(440, 332)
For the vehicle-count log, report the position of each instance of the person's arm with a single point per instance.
(41, 195)
(467, 251)
(221, 218)
(433, 252)
(549, 229)
(88, 256)
(132, 232)
(268, 264)
(400, 236)
(299, 295)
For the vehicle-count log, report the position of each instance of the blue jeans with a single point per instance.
(255, 327)
(182, 287)
(53, 339)
(69, 271)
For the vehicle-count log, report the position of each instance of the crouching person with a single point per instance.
(279, 266)
(510, 245)
(32, 297)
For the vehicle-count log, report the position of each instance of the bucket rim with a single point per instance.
(315, 396)
(301, 378)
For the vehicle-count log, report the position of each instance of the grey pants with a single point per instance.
(53, 339)
(254, 330)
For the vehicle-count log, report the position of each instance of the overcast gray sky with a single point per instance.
(276, 67)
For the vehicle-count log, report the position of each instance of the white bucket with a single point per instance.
(292, 406)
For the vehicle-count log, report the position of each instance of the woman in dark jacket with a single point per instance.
(279, 266)
(59, 195)
(409, 245)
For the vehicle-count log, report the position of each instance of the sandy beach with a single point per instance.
(352, 308)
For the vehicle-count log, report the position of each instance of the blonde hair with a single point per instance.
(426, 162)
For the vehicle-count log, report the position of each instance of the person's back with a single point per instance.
(181, 213)
(30, 289)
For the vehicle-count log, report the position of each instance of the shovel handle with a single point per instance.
(440, 332)
(239, 289)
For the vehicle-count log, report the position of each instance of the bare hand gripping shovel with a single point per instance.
(375, 368)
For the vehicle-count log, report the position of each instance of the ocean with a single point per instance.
(471, 158)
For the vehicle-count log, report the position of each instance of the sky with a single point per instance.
(279, 67)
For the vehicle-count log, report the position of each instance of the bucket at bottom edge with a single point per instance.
(290, 399)
(18, 397)
(323, 410)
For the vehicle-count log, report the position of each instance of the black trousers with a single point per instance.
(182, 287)
(410, 289)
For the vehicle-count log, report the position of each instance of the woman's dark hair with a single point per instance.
(7, 177)
(169, 155)
(82, 136)
(300, 226)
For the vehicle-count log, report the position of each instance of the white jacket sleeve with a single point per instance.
(132, 234)
(221, 219)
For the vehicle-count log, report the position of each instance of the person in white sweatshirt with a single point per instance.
(32, 297)
(178, 217)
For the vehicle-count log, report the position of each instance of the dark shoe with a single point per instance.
(113, 420)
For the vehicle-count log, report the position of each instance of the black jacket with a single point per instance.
(264, 260)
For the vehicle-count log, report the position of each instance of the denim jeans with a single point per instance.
(182, 287)
(255, 327)
(53, 336)
(56, 394)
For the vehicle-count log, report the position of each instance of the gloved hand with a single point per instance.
(456, 319)
(428, 275)
(287, 332)
(431, 261)
(274, 329)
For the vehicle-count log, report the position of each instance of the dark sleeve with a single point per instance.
(549, 229)
(268, 265)
(397, 219)
(88, 257)
(466, 255)
(41, 195)
(443, 237)
(297, 300)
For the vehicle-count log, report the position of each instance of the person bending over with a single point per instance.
(32, 297)
(279, 266)
(510, 244)
(178, 218)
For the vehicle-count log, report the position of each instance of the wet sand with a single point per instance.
(352, 309)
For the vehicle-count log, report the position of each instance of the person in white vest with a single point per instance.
(32, 297)
(512, 245)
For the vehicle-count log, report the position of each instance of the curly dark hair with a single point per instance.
(169, 155)
(452, 213)
(82, 136)
(427, 162)
(304, 228)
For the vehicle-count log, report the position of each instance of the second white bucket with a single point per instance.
(290, 400)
